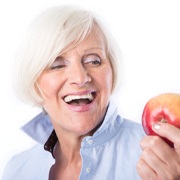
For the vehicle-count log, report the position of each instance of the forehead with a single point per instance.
(95, 40)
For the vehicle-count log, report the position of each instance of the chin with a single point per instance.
(84, 129)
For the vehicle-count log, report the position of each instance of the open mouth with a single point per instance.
(80, 99)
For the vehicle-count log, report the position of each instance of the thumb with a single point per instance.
(169, 132)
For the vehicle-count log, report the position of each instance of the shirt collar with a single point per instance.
(40, 127)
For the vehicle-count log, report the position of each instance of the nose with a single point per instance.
(79, 75)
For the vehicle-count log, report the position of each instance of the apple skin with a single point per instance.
(161, 108)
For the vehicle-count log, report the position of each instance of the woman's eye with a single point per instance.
(96, 62)
(93, 60)
(58, 63)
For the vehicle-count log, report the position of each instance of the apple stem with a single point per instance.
(163, 120)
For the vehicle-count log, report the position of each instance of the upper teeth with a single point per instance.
(74, 97)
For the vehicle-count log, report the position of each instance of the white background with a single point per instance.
(148, 32)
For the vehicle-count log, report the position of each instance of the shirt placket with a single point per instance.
(87, 163)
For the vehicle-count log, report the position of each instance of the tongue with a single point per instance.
(79, 102)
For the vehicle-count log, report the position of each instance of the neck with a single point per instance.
(69, 144)
(67, 149)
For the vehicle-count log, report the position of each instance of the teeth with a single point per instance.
(74, 97)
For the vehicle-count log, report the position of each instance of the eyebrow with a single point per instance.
(94, 48)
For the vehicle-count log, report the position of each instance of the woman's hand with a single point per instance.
(158, 160)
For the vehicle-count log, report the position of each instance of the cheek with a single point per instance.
(104, 79)
(107, 78)
(49, 86)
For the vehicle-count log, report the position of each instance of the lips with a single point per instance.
(79, 99)
(80, 102)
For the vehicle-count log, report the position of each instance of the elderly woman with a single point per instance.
(68, 66)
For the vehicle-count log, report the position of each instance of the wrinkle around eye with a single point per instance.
(59, 63)
(92, 59)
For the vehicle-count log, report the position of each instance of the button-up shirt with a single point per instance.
(111, 153)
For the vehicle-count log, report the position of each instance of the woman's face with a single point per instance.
(77, 87)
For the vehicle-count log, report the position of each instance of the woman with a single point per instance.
(68, 66)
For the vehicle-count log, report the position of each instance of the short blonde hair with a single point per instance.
(49, 34)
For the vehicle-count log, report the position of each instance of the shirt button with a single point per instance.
(88, 170)
(90, 141)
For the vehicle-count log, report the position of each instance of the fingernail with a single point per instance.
(156, 126)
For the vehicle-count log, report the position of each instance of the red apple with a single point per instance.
(161, 108)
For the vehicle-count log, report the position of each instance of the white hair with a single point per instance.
(48, 36)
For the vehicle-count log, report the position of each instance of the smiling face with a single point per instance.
(77, 86)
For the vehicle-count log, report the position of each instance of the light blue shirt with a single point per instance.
(110, 154)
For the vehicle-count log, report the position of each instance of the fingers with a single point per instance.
(158, 159)
(152, 160)
(144, 170)
(158, 146)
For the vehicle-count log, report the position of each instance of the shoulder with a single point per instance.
(32, 154)
(130, 131)
(28, 163)
(128, 140)
(132, 125)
